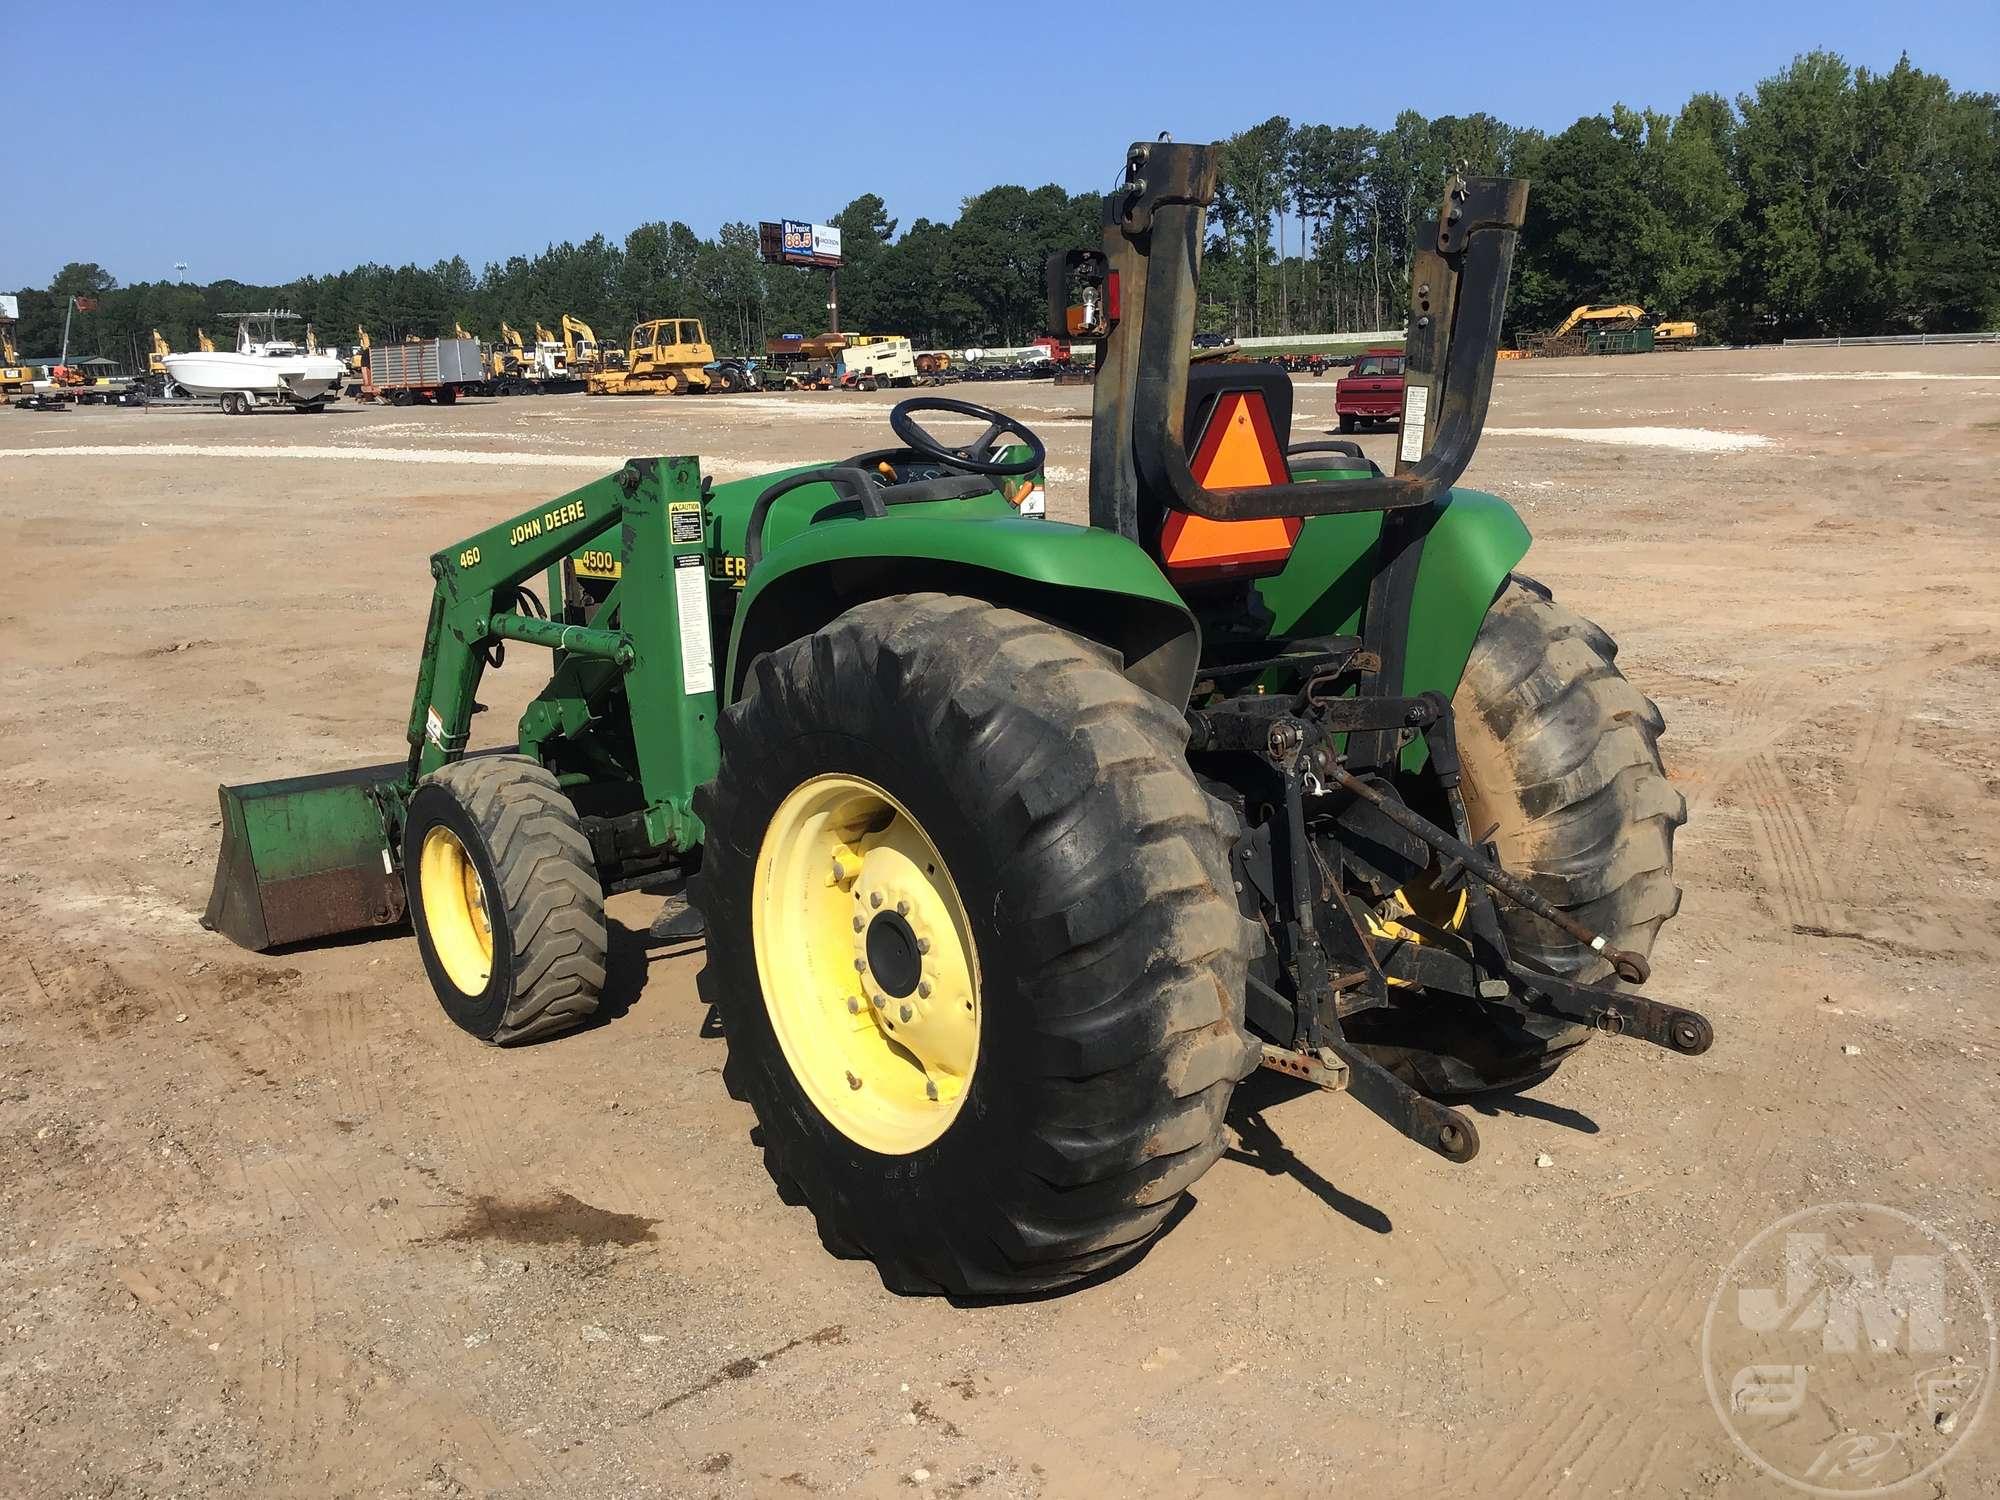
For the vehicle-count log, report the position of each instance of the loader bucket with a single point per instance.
(306, 858)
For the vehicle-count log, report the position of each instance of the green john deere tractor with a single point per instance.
(1015, 845)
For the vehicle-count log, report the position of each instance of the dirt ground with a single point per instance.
(272, 1226)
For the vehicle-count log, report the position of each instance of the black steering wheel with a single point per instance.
(976, 457)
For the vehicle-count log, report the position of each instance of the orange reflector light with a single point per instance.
(1238, 450)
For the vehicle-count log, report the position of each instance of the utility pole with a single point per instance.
(832, 300)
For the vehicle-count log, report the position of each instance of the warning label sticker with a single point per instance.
(684, 522)
(1416, 411)
(691, 612)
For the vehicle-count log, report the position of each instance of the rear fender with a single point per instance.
(1473, 544)
(1093, 583)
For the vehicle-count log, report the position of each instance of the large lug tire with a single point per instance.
(1092, 875)
(505, 899)
(1561, 759)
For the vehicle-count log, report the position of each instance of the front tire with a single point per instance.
(505, 899)
(1091, 877)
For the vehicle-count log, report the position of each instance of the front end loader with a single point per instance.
(1016, 845)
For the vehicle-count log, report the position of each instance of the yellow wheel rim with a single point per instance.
(455, 910)
(867, 963)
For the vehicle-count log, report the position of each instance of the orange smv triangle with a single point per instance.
(1238, 450)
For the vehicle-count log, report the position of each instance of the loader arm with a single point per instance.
(654, 632)
(310, 856)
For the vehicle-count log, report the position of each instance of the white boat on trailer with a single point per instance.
(262, 370)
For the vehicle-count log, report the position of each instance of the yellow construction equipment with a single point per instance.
(156, 358)
(667, 356)
(510, 355)
(581, 345)
(207, 345)
(1618, 315)
(356, 360)
(585, 354)
(1574, 334)
(14, 376)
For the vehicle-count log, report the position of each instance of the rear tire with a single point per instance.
(1347, 423)
(1110, 959)
(499, 829)
(1561, 758)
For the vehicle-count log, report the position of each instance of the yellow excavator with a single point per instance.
(586, 356)
(510, 355)
(14, 376)
(667, 356)
(207, 345)
(156, 358)
(1572, 336)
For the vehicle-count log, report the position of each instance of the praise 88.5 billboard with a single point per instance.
(796, 242)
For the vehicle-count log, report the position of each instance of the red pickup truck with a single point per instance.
(1372, 391)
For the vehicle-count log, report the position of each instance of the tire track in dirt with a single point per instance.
(312, 1399)
(1787, 846)
(1880, 747)
(1770, 706)
(1549, 1417)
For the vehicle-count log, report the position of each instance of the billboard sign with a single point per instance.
(796, 242)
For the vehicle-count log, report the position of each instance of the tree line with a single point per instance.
(1829, 199)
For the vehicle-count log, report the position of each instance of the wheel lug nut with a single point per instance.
(923, 989)
(858, 924)
(930, 1091)
(874, 898)
(853, 1006)
(881, 1002)
(906, 1012)
(923, 945)
(860, 965)
(902, 908)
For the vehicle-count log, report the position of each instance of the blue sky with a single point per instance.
(272, 140)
